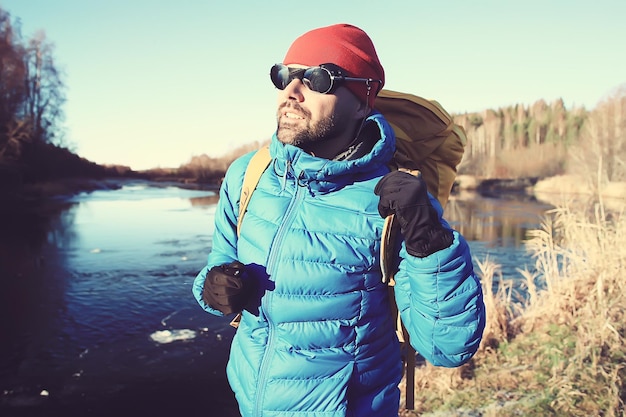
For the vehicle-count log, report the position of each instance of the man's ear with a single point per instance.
(363, 110)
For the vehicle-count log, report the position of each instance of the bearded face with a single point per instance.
(322, 124)
(297, 127)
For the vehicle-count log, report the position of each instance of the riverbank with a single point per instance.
(555, 190)
(563, 188)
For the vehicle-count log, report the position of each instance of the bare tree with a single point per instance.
(44, 91)
(12, 88)
(601, 152)
(31, 91)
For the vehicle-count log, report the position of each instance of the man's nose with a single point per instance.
(294, 90)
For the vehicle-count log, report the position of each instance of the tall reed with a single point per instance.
(558, 350)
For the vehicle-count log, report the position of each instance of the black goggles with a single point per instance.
(323, 79)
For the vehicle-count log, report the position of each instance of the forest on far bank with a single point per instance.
(519, 141)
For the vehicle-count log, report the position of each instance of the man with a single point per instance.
(316, 335)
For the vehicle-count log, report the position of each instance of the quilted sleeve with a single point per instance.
(224, 242)
(440, 301)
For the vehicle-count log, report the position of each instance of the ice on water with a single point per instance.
(169, 336)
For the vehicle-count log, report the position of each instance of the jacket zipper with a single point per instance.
(273, 256)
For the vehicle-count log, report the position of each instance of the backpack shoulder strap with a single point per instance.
(388, 267)
(386, 250)
(257, 165)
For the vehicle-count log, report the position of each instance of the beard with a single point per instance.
(306, 133)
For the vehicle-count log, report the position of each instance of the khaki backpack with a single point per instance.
(427, 142)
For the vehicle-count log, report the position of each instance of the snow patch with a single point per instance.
(169, 336)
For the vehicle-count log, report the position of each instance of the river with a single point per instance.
(96, 307)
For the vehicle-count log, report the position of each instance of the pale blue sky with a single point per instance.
(152, 83)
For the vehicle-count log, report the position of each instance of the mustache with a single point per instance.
(294, 106)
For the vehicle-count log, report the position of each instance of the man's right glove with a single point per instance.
(406, 195)
(227, 288)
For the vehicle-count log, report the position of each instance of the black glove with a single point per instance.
(227, 289)
(405, 195)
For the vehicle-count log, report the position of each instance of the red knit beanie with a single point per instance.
(346, 46)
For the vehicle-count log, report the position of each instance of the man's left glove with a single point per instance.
(406, 196)
(227, 288)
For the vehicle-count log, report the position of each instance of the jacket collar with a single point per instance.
(321, 175)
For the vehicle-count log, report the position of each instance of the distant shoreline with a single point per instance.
(548, 189)
(68, 187)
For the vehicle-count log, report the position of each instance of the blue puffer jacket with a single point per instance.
(321, 341)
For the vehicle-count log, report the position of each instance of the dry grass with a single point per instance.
(544, 160)
(539, 160)
(559, 351)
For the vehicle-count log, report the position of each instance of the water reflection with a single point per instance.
(204, 201)
(27, 298)
(497, 228)
(86, 284)
(499, 222)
